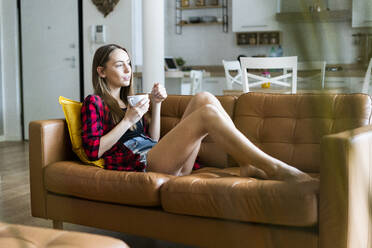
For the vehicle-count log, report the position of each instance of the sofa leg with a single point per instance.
(57, 224)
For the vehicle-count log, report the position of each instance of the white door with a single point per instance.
(50, 48)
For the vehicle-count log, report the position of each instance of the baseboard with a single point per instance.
(11, 138)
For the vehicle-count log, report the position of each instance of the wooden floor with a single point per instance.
(15, 198)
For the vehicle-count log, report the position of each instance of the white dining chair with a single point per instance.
(232, 66)
(367, 78)
(287, 65)
(312, 66)
(196, 77)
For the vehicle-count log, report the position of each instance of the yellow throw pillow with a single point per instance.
(72, 110)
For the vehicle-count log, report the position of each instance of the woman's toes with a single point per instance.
(251, 171)
(292, 174)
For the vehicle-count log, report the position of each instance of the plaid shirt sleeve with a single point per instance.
(92, 118)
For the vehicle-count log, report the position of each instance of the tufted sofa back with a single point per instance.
(290, 127)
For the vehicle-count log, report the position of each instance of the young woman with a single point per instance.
(116, 131)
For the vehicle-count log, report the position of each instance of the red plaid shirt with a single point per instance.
(96, 122)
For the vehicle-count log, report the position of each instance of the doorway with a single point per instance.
(51, 53)
(1, 91)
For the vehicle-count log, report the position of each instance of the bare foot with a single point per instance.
(251, 171)
(279, 171)
(284, 172)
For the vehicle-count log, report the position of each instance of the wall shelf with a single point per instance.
(271, 38)
(200, 24)
(201, 7)
(184, 23)
(323, 16)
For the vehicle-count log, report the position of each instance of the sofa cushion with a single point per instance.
(132, 188)
(72, 111)
(221, 193)
(290, 127)
(13, 236)
(171, 112)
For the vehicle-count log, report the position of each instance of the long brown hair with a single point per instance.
(101, 56)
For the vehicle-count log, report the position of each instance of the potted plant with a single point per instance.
(180, 62)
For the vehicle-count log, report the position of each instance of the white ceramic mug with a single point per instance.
(133, 100)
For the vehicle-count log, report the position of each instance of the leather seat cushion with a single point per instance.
(31, 237)
(88, 182)
(221, 193)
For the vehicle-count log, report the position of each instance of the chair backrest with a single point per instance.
(232, 66)
(367, 78)
(310, 66)
(196, 81)
(284, 63)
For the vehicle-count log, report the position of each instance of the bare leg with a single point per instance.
(196, 102)
(199, 100)
(181, 141)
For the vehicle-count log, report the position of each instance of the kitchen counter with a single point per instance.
(348, 70)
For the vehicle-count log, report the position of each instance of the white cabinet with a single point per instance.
(253, 15)
(362, 13)
(338, 83)
(344, 84)
(356, 85)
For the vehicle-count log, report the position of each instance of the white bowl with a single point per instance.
(208, 19)
(133, 100)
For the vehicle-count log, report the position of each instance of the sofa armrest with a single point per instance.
(48, 142)
(345, 212)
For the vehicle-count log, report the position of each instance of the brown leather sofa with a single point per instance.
(327, 136)
(20, 236)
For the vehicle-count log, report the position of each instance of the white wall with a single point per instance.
(118, 30)
(202, 45)
(10, 69)
(137, 53)
(208, 45)
(1, 80)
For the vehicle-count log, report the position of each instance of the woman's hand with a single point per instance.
(158, 93)
(135, 113)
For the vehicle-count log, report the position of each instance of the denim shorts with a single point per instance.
(140, 145)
